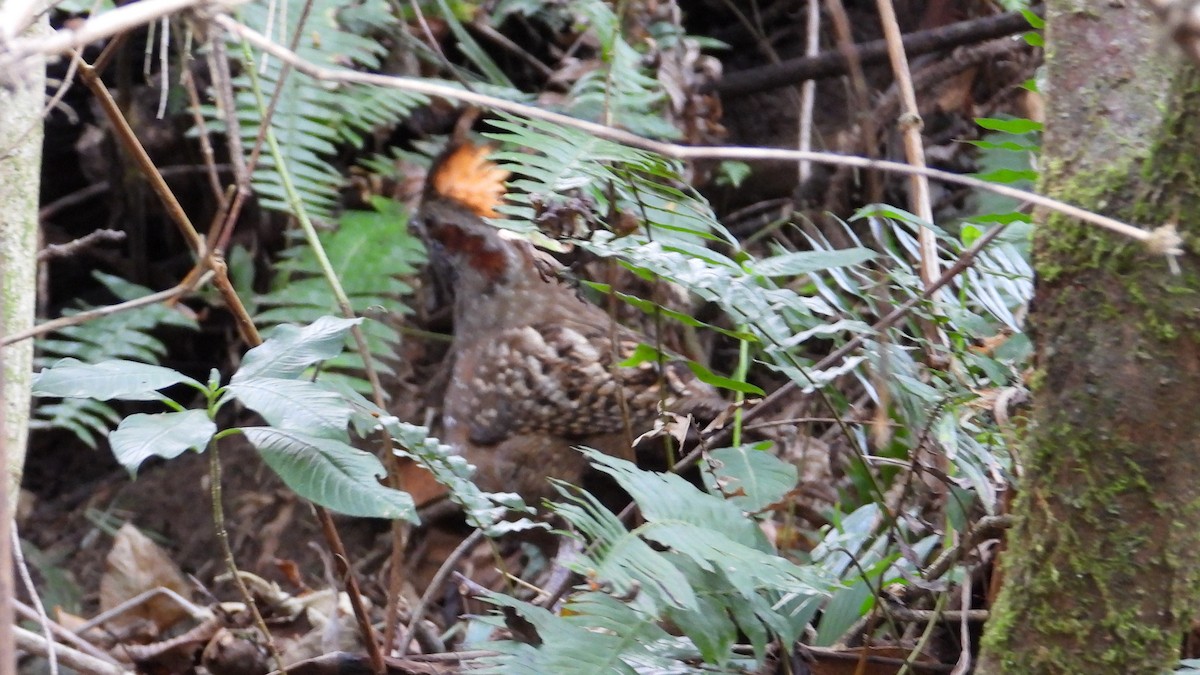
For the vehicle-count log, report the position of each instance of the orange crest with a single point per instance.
(466, 176)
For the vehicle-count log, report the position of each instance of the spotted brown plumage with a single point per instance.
(534, 369)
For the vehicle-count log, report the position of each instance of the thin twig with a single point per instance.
(39, 609)
(1156, 239)
(435, 585)
(206, 148)
(76, 245)
(860, 94)
(95, 189)
(72, 658)
(98, 27)
(808, 90)
(833, 63)
(128, 139)
(218, 516)
(193, 610)
(29, 614)
(986, 528)
(502, 40)
(222, 85)
(910, 127)
(350, 582)
(964, 628)
(948, 616)
(88, 315)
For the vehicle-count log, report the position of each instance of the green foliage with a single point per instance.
(697, 561)
(750, 476)
(372, 253)
(598, 636)
(310, 117)
(122, 336)
(307, 444)
(855, 551)
(981, 302)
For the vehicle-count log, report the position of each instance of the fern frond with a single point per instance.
(125, 335)
(312, 117)
(697, 559)
(372, 253)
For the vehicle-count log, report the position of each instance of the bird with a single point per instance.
(534, 368)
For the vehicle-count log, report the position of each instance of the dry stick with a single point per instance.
(23, 570)
(1161, 240)
(206, 147)
(85, 316)
(503, 41)
(342, 562)
(860, 93)
(72, 658)
(193, 610)
(418, 612)
(27, 613)
(964, 628)
(227, 106)
(76, 245)
(808, 90)
(986, 528)
(129, 140)
(79, 196)
(920, 204)
(914, 150)
(833, 63)
(98, 27)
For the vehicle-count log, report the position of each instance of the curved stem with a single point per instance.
(218, 512)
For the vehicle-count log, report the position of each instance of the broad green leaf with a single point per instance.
(1008, 176)
(597, 635)
(804, 262)
(709, 627)
(646, 353)
(749, 475)
(107, 380)
(1016, 125)
(709, 377)
(166, 435)
(623, 558)
(1033, 19)
(653, 308)
(298, 405)
(331, 473)
(668, 497)
(896, 213)
(292, 349)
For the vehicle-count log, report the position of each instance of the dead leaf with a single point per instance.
(136, 565)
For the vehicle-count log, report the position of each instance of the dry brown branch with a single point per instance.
(833, 63)
(73, 658)
(75, 246)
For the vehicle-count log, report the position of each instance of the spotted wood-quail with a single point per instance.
(534, 366)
